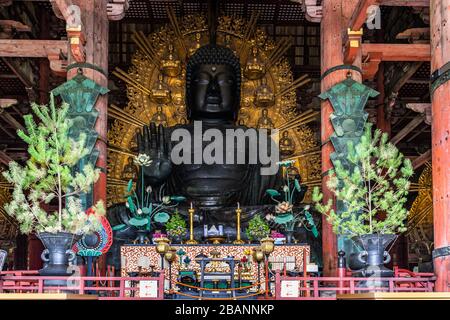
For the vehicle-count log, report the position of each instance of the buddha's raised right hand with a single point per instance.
(152, 142)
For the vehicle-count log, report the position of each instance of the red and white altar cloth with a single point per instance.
(135, 256)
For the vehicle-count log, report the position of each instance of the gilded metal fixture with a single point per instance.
(170, 65)
(238, 226)
(191, 226)
(254, 68)
(160, 93)
(267, 246)
(264, 97)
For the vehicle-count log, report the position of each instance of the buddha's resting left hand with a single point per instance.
(152, 142)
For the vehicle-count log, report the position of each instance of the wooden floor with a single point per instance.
(396, 296)
(46, 296)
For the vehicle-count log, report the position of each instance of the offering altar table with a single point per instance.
(134, 256)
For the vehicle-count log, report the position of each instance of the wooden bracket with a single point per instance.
(352, 45)
(5, 103)
(58, 65)
(370, 65)
(423, 108)
(65, 9)
(117, 9)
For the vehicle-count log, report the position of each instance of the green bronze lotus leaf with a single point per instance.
(297, 185)
(146, 210)
(119, 227)
(177, 198)
(161, 217)
(130, 185)
(272, 192)
(138, 222)
(284, 218)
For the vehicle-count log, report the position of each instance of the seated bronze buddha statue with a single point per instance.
(213, 81)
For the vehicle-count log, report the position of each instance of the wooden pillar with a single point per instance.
(35, 248)
(96, 27)
(96, 30)
(331, 56)
(382, 123)
(333, 27)
(440, 137)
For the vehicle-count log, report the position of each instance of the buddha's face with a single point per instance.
(213, 93)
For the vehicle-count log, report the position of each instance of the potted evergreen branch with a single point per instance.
(176, 227)
(47, 178)
(371, 191)
(257, 229)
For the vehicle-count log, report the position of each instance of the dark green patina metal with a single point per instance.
(439, 81)
(348, 99)
(340, 67)
(81, 93)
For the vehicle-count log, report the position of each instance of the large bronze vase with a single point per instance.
(371, 260)
(57, 255)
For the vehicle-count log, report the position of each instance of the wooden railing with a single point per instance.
(326, 288)
(127, 288)
(113, 288)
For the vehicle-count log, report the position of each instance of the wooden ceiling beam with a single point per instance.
(422, 159)
(405, 3)
(4, 158)
(359, 16)
(55, 50)
(399, 52)
(11, 120)
(32, 48)
(423, 108)
(407, 129)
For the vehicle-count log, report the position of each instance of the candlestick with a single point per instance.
(191, 226)
(238, 226)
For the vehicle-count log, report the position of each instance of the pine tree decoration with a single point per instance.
(378, 182)
(47, 176)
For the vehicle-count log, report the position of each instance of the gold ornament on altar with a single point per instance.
(268, 96)
(171, 255)
(162, 245)
(257, 254)
(267, 246)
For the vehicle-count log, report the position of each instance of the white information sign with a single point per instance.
(148, 289)
(290, 288)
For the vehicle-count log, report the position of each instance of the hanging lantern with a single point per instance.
(160, 92)
(170, 64)
(254, 68)
(264, 96)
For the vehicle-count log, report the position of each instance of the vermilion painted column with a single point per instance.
(382, 123)
(331, 55)
(96, 30)
(440, 48)
(333, 27)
